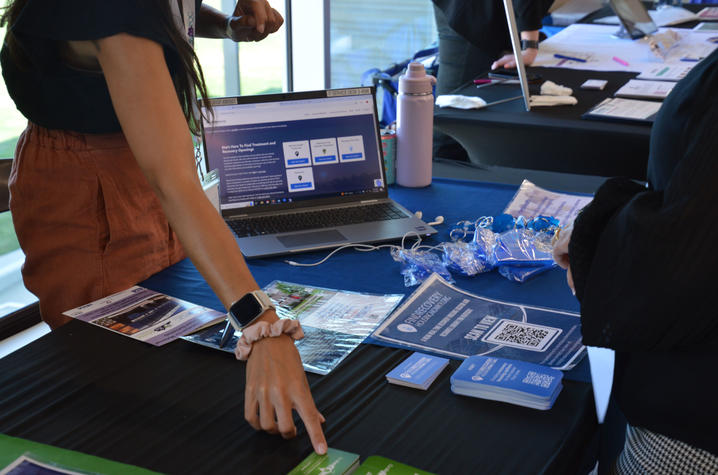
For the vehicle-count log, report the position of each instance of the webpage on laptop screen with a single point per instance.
(278, 152)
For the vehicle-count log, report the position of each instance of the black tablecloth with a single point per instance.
(179, 409)
(549, 138)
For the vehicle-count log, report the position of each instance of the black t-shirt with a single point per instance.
(644, 262)
(483, 22)
(56, 96)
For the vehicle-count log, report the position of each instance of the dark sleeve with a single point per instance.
(482, 23)
(65, 20)
(530, 13)
(645, 262)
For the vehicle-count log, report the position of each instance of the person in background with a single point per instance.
(104, 188)
(473, 38)
(641, 261)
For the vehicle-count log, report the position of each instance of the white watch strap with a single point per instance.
(264, 299)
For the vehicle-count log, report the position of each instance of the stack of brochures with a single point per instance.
(339, 462)
(516, 382)
(417, 371)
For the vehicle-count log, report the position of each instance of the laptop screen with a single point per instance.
(279, 149)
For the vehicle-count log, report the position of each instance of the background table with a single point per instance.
(179, 408)
(549, 138)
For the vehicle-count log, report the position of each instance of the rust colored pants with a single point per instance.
(86, 217)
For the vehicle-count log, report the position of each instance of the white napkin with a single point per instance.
(552, 101)
(550, 88)
(460, 102)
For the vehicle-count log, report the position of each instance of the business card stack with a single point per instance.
(417, 371)
(500, 379)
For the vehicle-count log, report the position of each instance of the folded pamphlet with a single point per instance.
(335, 462)
(515, 382)
(417, 371)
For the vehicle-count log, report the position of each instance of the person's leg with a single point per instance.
(86, 219)
(459, 62)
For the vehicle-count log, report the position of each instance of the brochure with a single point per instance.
(146, 315)
(624, 110)
(667, 72)
(441, 318)
(515, 382)
(417, 371)
(640, 89)
(375, 465)
(27, 466)
(334, 462)
(531, 201)
(334, 322)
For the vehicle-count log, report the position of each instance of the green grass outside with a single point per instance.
(8, 239)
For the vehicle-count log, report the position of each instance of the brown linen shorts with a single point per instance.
(86, 218)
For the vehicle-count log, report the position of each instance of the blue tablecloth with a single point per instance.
(376, 271)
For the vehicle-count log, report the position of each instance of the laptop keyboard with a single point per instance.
(327, 218)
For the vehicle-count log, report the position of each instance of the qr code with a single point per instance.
(538, 379)
(526, 336)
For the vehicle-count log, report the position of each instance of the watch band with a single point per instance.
(526, 44)
(228, 27)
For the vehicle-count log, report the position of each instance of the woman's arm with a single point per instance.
(149, 112)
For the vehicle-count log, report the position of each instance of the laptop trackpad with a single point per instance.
(311, 239)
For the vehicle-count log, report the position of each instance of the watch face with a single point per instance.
(246, 309)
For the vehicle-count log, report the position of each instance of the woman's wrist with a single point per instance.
(263, 329)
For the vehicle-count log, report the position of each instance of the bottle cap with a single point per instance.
(415, 80)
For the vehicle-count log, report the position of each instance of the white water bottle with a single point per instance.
(414, 127)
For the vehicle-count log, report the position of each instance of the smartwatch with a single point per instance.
(247, 309)
(526, 44)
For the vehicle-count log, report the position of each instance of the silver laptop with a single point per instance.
(303, 171)
(518, 57)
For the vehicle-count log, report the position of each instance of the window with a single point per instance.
(376, 34)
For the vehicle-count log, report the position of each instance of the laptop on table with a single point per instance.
(303, 171)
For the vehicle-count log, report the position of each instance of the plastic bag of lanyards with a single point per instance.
(468, 258)
(523, 248)
(417, 265)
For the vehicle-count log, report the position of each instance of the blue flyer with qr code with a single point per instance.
(442, 319)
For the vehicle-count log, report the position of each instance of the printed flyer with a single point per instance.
(440, 318)
(146, 315)
(334, 322)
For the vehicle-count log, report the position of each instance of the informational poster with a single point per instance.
(440, 318)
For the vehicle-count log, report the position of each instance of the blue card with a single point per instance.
(417, 371)
(517, 380)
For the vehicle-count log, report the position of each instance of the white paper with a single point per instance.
(626, 108)
(531, 201)
(596, 44)
(641, 89)
(667, 72)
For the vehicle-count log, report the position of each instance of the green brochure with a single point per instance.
(12, 448)
(376, 465)
(335, 462)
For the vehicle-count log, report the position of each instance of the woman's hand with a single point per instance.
(508, 60)
(560, 253)
(276, 384)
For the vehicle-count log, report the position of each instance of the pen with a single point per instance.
(482, 81)
(227, 335)
(620, 61)
(572, 58)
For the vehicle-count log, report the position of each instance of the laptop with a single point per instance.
(302, 171)
(518, 57)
